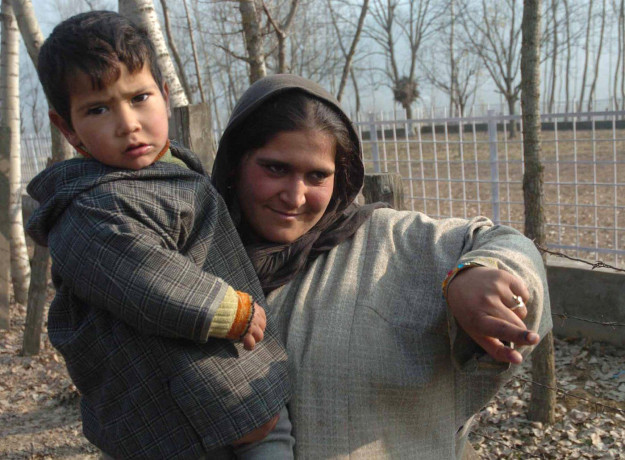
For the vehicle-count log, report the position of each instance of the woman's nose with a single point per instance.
(127, 121)
(294, 194)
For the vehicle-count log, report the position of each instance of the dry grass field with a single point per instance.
(584, 174)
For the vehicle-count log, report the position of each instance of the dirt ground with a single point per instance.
(40, 418)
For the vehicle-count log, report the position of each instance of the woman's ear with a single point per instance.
(67, 131)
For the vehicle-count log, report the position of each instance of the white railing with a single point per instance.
(461, 167)
(470, 166)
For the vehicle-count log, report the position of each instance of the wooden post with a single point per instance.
(386, 187)
(192, 126)
(5, 252)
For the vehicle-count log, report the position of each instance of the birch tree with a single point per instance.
(174, 51)
(61, 150)
(142, 13)
(9, 89)
(593, 85)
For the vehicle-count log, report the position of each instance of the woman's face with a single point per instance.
(285, 186)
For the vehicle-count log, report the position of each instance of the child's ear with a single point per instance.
(69, 134)
(166, 96)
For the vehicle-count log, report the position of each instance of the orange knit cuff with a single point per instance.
(243, 317)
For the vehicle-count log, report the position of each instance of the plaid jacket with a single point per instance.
(140, 264)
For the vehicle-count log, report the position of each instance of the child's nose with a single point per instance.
(127, 121)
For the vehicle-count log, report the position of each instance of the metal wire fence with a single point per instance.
(460, 167)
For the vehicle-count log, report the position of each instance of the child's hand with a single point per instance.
(255, 333)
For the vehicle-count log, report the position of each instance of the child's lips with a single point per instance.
(138, 150)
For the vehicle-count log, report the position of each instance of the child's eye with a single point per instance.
(275, 169)
(96, 110)
(140, 97)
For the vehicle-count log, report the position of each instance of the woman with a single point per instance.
(356, 291)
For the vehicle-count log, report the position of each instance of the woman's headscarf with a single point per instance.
(275, 263)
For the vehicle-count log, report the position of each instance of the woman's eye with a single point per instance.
(140, 97)
(96, 110)
(318, 177)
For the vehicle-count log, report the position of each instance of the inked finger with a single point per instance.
(498, 351)
(500, 329)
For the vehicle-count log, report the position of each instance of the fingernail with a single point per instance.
(531, 337)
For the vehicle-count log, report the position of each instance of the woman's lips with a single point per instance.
(285, 215)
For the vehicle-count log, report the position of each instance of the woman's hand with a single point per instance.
(259, 433)
(482, 301)
(256, 331)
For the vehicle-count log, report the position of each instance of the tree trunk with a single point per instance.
(543, 399)
(554, 58)
(198, 74)
(511, 110)
(568, 56)
(253, 40)
(61, 150)
(5, 250)
(591, 93)
(20, 265)
(620, 42)
(174, 51)
(142, 13)
(586, 57)
(352, 50)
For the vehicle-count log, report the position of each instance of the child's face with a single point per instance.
(124, 124)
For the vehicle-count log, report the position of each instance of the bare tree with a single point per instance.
(282, 30)
(61, 150)
(253, 39)
(174, 51)
(494, 33)
(348, 53)
(194, 52)
(460, 80)
(142, 13)
(586, 56)
(542, 405)
(414, 26)
(593, 85)
(620, 61)
(9, 94)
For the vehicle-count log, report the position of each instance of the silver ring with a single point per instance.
(518, 300)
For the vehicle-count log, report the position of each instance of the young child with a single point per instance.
(151, 277)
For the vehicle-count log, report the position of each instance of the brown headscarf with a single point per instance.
(276, 264)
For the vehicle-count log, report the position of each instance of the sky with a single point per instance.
(48, 14)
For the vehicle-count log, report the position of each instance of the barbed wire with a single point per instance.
(598, 264)
(612, 324)
(559, 390)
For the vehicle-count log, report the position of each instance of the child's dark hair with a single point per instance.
(297, 111)
(94, 43)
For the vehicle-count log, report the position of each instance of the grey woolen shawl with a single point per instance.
(277, 264)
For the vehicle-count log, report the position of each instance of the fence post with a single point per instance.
(373, 137)
(494, 165)
(386, 187)
(5, 254)
(192, 126)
